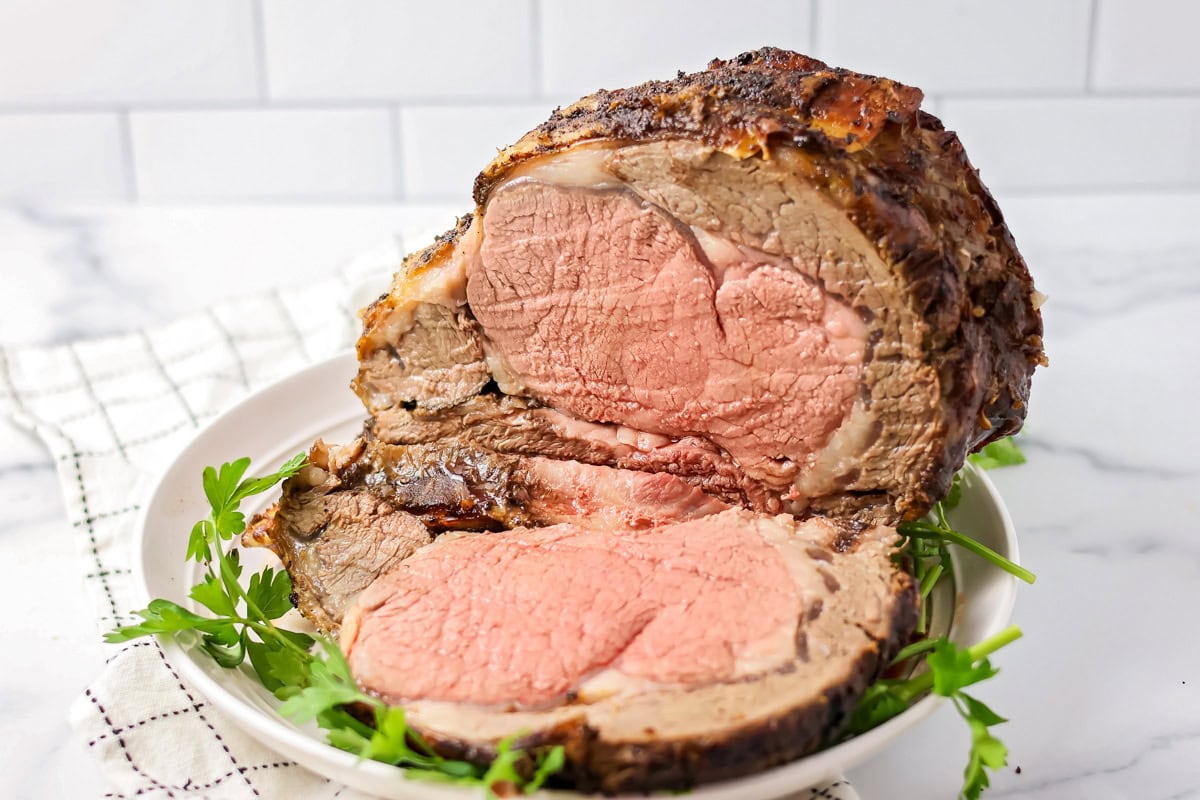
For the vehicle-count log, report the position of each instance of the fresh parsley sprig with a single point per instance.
(936, 528)
(313, 685)
(951, 669)
(940, 530)
(238, 611)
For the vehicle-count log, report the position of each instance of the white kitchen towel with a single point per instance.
(112, 412)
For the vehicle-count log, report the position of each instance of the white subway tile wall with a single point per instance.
(126, 52)
(1147, 44)
(174, 101)
(263, 154)
(74, 157)
(444, 147)
(636, 40)
(961, 46)
(386, 50)
(1080, 143)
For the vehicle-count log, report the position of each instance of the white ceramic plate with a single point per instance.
(286, 417)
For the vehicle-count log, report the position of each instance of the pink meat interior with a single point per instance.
(525, 616)
(610, 310)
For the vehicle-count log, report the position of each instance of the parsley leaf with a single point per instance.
(883, 700)
(329, 685)
(955, 668)
(950, 670)
(389, 740)
(1000, 453)
(253, 486)
(261, 661)
(502, 777)
(393, 743)
(219, 488)
(163, 616)
(548, 763)
(225, 491)
(210, 593)
(227, 636)
(199, 549)
(227, 646)
(954, 496)
(979, 711)
(331, 689)
(270, 592)
(986, 750)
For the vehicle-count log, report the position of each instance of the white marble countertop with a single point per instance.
(1104, 690)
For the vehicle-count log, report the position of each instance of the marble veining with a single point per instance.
(1103, 693)
(1104, 462)
(1171, 745)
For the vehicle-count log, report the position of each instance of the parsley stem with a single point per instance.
(930, 580)
(940, 509)
(920, 572)
(924, 530)
(267, 629)
(250, 604)
(922, 683)
(915, 649)
(264, 630)
(234, 588)
(993, 643)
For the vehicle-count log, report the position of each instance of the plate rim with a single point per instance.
(275, 734)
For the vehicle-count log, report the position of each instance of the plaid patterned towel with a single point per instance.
(112, 412)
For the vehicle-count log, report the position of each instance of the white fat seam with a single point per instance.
(584, 165)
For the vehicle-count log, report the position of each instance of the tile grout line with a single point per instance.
(260, 50)
(1072, 94)
(125, 130)
(510, 101)
(535, 46)
(282, 201)
(397, 150)
(814, 19)
(298, 104)
(1099, 190)
(1089, 71)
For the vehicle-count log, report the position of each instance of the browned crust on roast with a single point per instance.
(737, 106)
(596, 765)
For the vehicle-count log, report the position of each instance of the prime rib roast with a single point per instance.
(641, 426)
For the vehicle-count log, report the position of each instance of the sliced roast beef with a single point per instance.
(512, 425)
(660, 657)
(789, 269)
(680, 317)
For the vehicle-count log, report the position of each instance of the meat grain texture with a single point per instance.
(641, 424)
